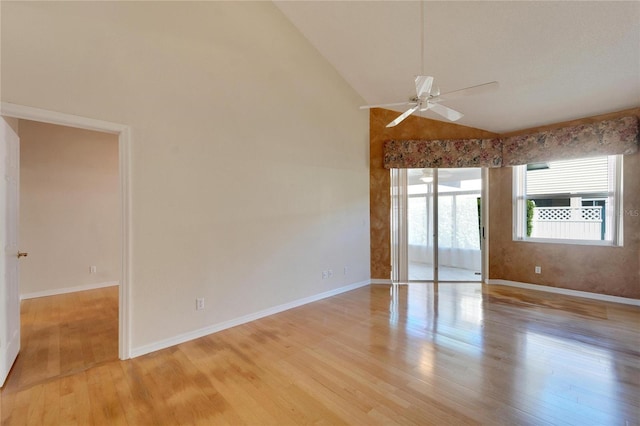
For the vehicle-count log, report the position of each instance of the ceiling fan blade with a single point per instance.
(386, 105)
(423, 86)
(473, 90)
(402, 116)
(450, 114)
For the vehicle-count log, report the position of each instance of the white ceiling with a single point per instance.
(555, 61)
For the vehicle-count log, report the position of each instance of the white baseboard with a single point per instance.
(66, 290)
(566, 291)
(380, 281)
(185, 337)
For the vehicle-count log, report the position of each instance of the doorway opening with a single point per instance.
(122, 132)
(69, 224)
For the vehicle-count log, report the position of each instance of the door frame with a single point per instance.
(124, 174)
(399, 255)
(484, 225)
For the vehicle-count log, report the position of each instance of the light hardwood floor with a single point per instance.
(444, 354)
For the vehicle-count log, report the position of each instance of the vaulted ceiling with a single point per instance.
(555, 61)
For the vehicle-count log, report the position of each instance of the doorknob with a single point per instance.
(22, 254)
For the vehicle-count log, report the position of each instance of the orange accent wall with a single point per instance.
(413, 127)
(606, 270)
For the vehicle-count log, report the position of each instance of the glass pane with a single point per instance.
(569, 199)
(459, 256)
(445, 222)
(458, 224)
(467, 230)
(417, 221)
(420, 225)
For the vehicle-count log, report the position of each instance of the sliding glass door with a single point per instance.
(440, 239)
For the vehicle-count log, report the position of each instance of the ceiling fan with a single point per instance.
(428, 98)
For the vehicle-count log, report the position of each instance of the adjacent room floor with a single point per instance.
(422, 354)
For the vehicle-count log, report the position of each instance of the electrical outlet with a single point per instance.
(199, 303)
(346, 270)
(330, 273)
(538, 270)
(92, 269)
(325, 275)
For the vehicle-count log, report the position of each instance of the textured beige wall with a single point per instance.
(248, 171)
(413, 127)
(606, 270)
(69, 207)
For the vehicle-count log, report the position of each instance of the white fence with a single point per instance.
(575, 223)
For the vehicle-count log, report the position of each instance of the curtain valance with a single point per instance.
(450, 153)
(608, 137)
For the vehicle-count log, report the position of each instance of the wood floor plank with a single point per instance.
(424, 354)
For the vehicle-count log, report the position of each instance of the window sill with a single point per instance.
(598, 243)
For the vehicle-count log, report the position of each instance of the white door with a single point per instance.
(9, 278)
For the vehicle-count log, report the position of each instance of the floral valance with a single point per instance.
(608, 137)
(452, 153)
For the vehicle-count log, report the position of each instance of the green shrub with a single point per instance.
(530, 205)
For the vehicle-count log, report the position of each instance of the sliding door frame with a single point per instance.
(399, 228)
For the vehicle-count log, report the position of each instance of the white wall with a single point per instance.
(249, 154)
(69, 208)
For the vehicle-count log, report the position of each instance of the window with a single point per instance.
(572, 201)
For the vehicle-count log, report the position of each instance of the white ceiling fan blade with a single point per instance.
(423, 86)
(450, 114)
(386, 105)
(473, 90)
(402, 116)
(426, 106)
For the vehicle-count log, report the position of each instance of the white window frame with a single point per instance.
(613, 225)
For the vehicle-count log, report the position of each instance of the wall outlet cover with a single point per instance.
(199, 303)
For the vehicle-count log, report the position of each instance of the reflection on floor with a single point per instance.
(418, 354)
(560, 359)
(419, 271)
